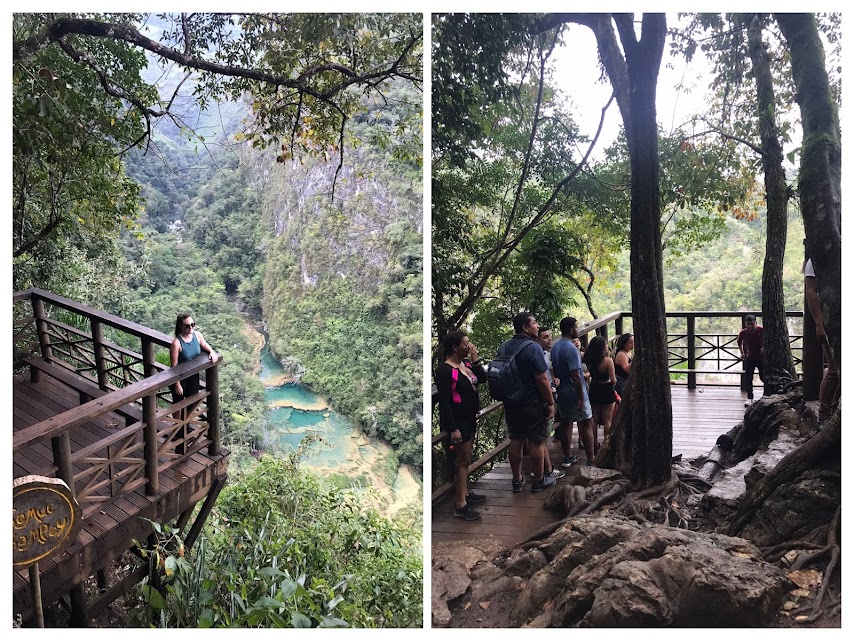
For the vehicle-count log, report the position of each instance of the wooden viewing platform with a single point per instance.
(707, 401)
(92, 406)
(699, 417)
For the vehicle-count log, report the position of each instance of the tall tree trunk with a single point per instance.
(646, 423)
(819, 180)
(779, 367)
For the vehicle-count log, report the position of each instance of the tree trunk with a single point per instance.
(647, 420)
(779, 366)
(819, 180)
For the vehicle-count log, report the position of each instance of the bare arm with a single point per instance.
(609, 364)
(207, 348)
(623, 361)
(575, 377)
(542, 380)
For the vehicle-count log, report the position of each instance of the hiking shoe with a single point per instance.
(539, 486)
(568, 461)
(465, 512)
(517, 485)
(555, 474)
(475, 498)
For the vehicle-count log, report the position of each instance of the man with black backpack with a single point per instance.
(518, 377)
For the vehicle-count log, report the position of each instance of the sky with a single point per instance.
(577, 73)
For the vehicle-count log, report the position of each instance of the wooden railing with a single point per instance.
(690, 353)
(157, 434)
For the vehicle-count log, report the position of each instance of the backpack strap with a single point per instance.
(520, 348)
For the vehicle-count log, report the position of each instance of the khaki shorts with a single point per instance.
(529, 421)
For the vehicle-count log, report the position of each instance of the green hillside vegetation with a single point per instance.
(343, 282)
(281, 550)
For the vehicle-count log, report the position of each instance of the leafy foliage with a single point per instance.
(281, 551)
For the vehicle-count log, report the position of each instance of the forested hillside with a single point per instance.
(343, 280)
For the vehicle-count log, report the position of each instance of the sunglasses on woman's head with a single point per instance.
(189, 325)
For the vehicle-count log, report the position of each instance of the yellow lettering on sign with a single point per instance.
(21, 520)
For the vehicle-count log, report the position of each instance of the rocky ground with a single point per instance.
(660, 560)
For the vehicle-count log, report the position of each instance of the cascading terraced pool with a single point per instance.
(298, 414)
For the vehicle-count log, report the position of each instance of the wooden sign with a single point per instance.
(45, 518)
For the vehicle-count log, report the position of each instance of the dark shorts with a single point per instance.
(529, 421)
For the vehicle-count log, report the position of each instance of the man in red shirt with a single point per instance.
(750, 342)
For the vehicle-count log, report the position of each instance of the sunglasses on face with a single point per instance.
(189, 325)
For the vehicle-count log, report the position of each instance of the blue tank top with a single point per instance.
(189, 350)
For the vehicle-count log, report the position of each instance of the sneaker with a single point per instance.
(475, 498)
(539, 486)
(465, 512)
(556, 474)
(517, 485)
(748, 402)
(569, 460)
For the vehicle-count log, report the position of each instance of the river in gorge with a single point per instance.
(333, 443)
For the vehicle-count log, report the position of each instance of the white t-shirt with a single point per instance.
(809, 271)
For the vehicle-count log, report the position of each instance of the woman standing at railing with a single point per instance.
(602, 381)
(623, 362)
(187, 344)
(456, 384)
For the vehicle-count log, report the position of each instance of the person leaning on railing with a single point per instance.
(187, 344)
(456, 384)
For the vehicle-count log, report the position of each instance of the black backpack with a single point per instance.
(502, 374)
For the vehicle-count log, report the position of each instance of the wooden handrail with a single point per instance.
(129, 327)
(62, 423)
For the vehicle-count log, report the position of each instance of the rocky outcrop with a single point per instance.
(608, 571)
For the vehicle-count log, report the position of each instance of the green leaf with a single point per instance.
(153, 597)
(299, 620)
(268, 602)
(333, 622)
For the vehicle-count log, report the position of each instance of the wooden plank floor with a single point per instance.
(108, 531)
(699, 417)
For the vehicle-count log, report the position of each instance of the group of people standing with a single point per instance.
(553, 376)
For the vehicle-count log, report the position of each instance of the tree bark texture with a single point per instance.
(779, 366)
(647, 421)
(819, 180)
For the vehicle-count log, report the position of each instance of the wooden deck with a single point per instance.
(109, 527)
(699, 417)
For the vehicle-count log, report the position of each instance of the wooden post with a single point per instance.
(41, 328)
(618, 325)
(149, 419)
(148, 357)
(692, 351)
(79, 618)
(100, 353)
(62, 459)
(212, 383)
(36, 592)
